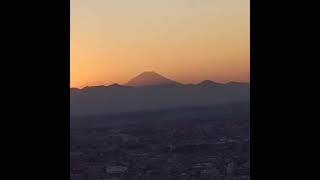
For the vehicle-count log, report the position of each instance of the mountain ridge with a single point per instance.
(116, 98)
(136, 82)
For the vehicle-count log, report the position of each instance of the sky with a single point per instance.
(185, 40)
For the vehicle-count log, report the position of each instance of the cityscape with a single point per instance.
(205, 143)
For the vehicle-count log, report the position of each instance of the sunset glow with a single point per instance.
(185, 40)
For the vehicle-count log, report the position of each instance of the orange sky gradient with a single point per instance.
(185, 40)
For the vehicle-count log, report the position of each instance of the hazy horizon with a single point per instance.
(184, 40)
(104, 84)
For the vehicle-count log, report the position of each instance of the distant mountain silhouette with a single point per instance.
(150, 78)
(208, 83)
(151, 91)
